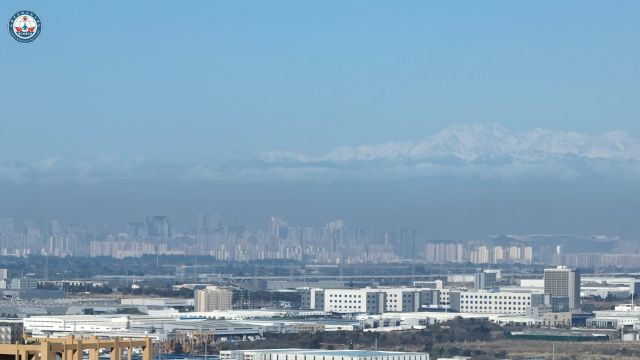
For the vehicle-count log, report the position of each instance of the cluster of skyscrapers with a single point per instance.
(333, 243)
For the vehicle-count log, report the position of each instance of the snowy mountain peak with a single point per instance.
(479, 142)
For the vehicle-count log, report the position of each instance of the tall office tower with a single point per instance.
(202, 224)
(158, 226)
(308, 236)
(55, 228)
(207, 223)
(279, 228)
(562, 282)
(213, 298)
(408, 243)
(137, 230)
(557, 256)
(7, 226)
(336, 232)
(486, 280)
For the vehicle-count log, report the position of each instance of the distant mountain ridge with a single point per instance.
(483, 142)
(476, 150)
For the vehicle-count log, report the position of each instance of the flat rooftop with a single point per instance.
(351, 353)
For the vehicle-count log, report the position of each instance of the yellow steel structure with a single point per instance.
(71, 348)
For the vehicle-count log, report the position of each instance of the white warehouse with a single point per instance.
(40, 326)
(313, 354)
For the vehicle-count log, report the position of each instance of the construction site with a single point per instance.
(78, 348)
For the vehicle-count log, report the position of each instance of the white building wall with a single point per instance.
(45, 325)
(345, 300)
(394, 299)
(493, 302)
(355, 300)
(310, 354)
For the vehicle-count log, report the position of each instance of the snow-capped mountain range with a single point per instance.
(480, 142)
(474, 150)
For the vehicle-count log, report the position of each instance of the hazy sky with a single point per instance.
(234, 93)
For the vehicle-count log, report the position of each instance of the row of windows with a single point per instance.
(494, 297)
(360, 296)
(496, 302)
(359, 301)
(493, 308)
(346, 308)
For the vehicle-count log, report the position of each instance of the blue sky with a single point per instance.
(226, 80)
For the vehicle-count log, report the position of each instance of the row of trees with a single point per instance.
(457, 330)
(52, 267)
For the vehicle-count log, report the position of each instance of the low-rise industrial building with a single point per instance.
(314, 354)
(137, 326)
(557, 319)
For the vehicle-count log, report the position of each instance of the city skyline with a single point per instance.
(334, 242)
(354, 180)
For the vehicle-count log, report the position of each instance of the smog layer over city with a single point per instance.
(335, 180)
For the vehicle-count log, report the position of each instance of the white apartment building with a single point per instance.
(514, 252)
(479, 255)
(213, 298)
(489, 302)
(497, 254)
(440, 253)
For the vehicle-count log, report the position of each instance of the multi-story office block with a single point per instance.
(489, 302)
(563, 282)
(486, 280)
(371, 300)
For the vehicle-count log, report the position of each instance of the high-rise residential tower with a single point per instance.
(213, 298)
